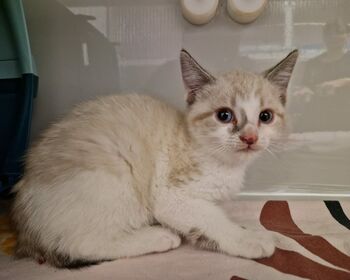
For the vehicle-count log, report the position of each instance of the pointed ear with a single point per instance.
(280, 74)
(193, 75)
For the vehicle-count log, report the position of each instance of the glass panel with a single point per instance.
(96, 47)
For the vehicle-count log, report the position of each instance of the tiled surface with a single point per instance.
(86, 48)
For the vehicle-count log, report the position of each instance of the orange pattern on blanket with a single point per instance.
(7, 236)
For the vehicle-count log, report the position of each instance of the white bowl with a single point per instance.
(245, 11)
(199, 11)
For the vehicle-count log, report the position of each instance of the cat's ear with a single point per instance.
(193, 75)
(280, 73)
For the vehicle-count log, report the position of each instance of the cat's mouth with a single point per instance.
(249, 149)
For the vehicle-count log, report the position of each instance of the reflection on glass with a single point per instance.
(323, 102)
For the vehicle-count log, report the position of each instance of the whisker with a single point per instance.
(271, 152)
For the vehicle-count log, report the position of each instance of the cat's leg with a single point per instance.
(152, 239)
(149, 239)
(205, 223)
(91, 250)
(91, 217)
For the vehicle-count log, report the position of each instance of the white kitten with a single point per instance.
(128, 175)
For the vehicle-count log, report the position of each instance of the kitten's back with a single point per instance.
(95, 131)
(86, 171)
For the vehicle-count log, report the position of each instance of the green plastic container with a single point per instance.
(18, 87)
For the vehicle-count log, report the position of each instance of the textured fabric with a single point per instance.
(313, 242)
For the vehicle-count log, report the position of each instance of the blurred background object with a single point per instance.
(245, 11)
(18, 87)
(199, 11)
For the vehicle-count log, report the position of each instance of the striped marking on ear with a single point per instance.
(194, 76)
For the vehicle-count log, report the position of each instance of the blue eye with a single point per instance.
(224, 115)
(266, 116)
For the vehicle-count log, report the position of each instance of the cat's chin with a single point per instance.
(248, 154)
(241, 157)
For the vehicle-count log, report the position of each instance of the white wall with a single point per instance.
(86, 48)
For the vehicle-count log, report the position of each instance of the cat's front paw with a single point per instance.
(252, 245)
(166, 240)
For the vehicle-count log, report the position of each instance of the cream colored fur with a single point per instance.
(127, 175)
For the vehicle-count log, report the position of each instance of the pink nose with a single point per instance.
(249, 139)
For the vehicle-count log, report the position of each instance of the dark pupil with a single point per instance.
(265, 116)
(224, 116)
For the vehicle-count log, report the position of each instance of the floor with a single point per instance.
(312, 240)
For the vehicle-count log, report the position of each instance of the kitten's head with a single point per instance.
(239, 114)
